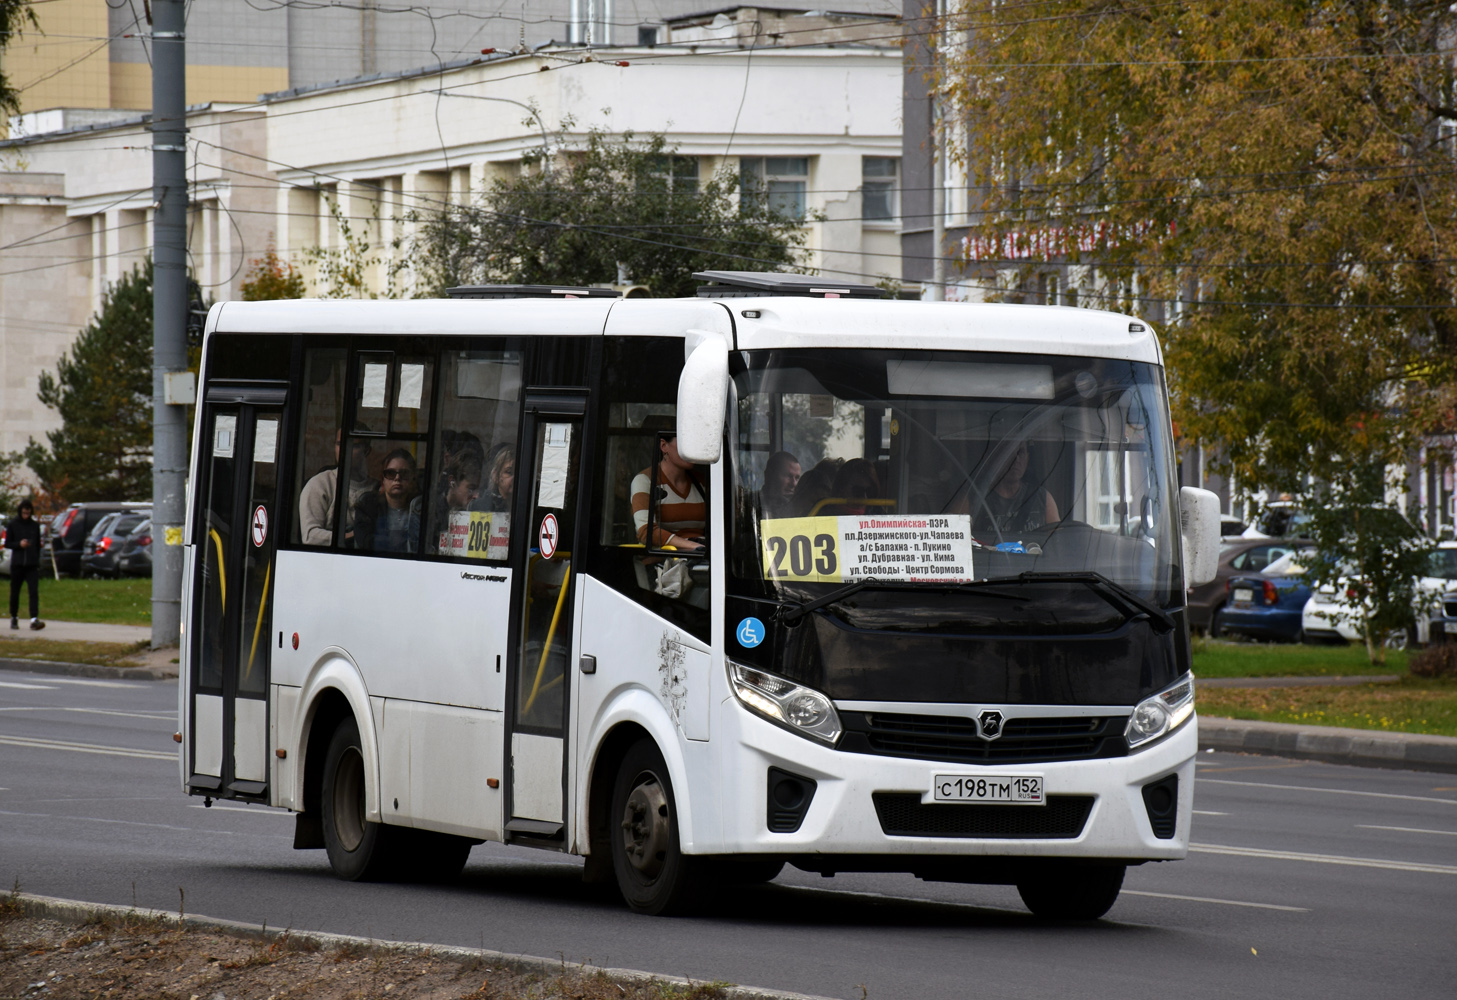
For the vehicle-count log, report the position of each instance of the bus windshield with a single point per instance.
(943, 470)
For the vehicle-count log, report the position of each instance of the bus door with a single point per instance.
(235, 526)
(540, 680)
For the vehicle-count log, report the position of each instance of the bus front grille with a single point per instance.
(954, 739)
(903, 814)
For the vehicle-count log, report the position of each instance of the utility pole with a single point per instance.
(170, 389)
(938, 166)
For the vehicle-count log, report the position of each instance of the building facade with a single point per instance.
(807, 104)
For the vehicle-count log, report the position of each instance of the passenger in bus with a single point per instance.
(682, 504)
(389, 520)
(462, 487)
(856, 480)
(781, 476)
(814, 486)
(1015, 503)
(501, 490)
(316, 499)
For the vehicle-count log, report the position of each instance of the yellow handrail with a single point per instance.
(550, 635)
(222, 570)
(258, 625)
(858, 501)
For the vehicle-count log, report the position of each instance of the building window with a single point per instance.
(647, 35)
(878, 188)
(780, 181)
(679, 174)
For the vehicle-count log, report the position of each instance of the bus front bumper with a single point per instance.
(871, 805)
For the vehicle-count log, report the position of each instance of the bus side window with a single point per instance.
(320, 439)
(473, 478)
(388, 496)
(640, 386)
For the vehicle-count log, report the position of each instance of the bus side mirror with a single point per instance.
(702, 390)
(1199, 526)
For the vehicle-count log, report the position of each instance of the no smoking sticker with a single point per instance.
(260, 526)
(546, 538)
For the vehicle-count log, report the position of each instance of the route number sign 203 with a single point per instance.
(886, 546)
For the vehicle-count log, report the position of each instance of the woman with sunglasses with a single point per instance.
(389, 520)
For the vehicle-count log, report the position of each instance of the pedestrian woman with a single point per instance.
(22, 537)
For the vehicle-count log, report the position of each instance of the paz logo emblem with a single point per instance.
(991, 725)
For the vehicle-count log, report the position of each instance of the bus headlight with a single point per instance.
(1162, 713)
(801, 709)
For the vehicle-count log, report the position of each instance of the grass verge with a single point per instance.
(106, 654)
(1410, 705)
(1219, 658)
(127, 601)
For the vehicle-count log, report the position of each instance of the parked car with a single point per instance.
(135, 556)
(1330, 614)
(1244, 556)
(101, 548)
(1269, 604)
(75, 524)
(1280, 519)
(1231, 527)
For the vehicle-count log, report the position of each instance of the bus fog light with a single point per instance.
(800, 709)
(1162, 713)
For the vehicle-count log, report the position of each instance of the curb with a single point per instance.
(75, 911)
(89, 670)
(1358, 747)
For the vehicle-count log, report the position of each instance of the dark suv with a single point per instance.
(73, 525)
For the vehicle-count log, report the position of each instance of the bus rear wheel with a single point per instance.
(359, 851)
(653, 875)
(1071, 892)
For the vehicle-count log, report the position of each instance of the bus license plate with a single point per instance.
(1001, 789)
(1243, 596)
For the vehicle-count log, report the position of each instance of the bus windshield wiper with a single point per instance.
(1115, 594)
(788, 613)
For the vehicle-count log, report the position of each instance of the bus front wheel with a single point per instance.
(1071, 892)
(653, 875)
(358, 849)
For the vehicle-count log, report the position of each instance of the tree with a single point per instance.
(620, 208)
(1279, 174)
(1274, 176)
(272, 277)
(102, 389)
(1382, 554)
(14, 16)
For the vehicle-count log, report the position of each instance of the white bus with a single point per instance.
(696, 588)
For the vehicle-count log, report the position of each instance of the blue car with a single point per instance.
(1268, 605)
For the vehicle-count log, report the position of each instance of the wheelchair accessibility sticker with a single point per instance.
(750, 632)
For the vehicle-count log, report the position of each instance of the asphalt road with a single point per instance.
(1307, 880)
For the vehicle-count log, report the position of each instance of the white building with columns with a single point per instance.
(815, 116)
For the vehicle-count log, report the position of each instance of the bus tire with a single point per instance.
(653, 875)
(435, 857)
(359, 851)
(1071, 892)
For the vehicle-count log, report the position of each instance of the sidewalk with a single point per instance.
(153, 664)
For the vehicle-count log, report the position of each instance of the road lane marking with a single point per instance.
(128, 822)
(38, 744)
(26, 687)
(1325, 859)
(1222, 902)
(150, 716)
(1332, 791)
(87, 683)
(1406, 829)
(244, 809)
(1208, 812)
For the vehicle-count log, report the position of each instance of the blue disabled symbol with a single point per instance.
(751, 632)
